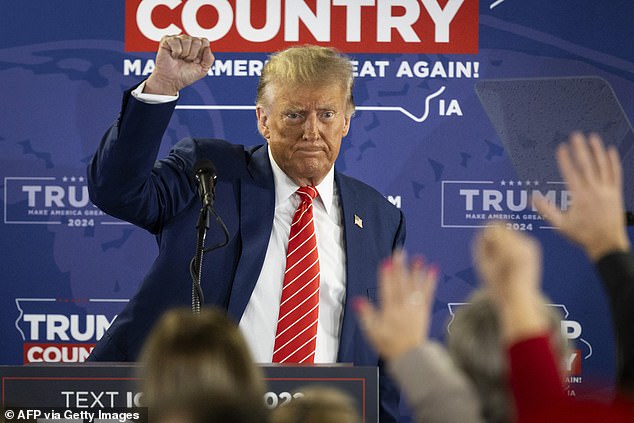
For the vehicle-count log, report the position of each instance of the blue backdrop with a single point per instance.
(421, 136)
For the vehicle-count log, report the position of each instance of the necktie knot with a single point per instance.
(307, 193)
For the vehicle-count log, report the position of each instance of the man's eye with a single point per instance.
(293, 115)
(328, 115)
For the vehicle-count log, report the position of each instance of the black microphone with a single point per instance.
(205, 174)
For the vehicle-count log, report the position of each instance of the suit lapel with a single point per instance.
(355, 259)
(257, 206)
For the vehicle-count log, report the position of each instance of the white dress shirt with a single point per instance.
(259, 321)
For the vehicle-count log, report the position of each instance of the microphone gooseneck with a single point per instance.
(205, 176)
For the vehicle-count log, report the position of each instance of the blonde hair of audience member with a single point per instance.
(307, 65)
(194, 355)
(318, 405)
(476, 346)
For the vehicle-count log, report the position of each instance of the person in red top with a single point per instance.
(509, 264)
(596, 223)
(509, 267)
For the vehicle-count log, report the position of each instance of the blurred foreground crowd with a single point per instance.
(503, 358)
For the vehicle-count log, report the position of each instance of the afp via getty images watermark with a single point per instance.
(70, 415)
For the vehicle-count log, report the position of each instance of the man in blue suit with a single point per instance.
(303, 109)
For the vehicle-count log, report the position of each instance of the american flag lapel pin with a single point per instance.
(358, 221)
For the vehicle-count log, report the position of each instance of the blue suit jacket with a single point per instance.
(161, 196)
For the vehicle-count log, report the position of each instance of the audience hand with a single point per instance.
(181, 60)
(402, 319)
(593, 176)
(509, 266)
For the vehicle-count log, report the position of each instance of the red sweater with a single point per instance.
(537, 389)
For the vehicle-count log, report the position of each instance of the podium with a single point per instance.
(80, 391)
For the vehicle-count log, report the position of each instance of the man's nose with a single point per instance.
(311, 127)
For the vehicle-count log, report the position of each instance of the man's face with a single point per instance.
(304, 127)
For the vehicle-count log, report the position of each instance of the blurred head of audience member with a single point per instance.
(188, 359)
(213, 408)
(318, 405)
(475, 344)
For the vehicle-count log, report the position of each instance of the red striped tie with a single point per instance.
(299, 306)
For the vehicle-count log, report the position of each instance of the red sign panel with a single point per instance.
(56, 353)
(355, 26)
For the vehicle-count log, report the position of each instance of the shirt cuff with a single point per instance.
(151, 98)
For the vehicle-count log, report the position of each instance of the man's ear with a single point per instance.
(263, 118)
(346, 125)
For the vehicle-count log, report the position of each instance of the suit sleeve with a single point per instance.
(617, 273)
(124, 179)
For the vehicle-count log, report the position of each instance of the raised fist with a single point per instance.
(181, 60)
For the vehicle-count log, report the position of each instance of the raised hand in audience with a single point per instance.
(398, 328)
(593, 176)
(596, 222)
(509, 266)
(406, 294)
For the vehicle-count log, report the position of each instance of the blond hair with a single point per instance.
(319, 404)
(191, 355)
(306, 65)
